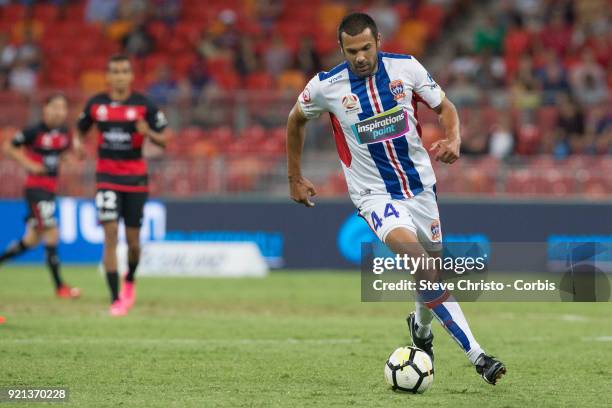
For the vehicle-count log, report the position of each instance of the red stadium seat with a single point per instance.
(433, 16)
(13, 12)
(259, 80)
(182, 63)
(153, 61)
(159, 31)
(75, 11)
(547, 118)
(521, 182)
(45, 12)
(220, 64)
(94, 63)
(227, 80)
(11, 98)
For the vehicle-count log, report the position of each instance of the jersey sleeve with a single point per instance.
(311, 99)
(425, 86)
(156, 119)
(24, 137)
(85, 121)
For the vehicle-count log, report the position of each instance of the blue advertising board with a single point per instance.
(81, 237)
(326, 236)
(329, 234)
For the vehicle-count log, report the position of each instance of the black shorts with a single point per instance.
(113, 204)
(41, 208)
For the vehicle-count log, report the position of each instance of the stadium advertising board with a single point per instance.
(327, 236)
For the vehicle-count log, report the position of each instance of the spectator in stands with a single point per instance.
(489, 37)
(245, 59)
(552, 78)
(385, 16)
(8, 53)
(267, 13)
(134, 9)
(101, 11)
(564, 8)
(516, 43)
(208, 47)
(138, 42)
(167, 11)
(474, 141)
(601, 45)
(501, 140)
(464, 62)
(29, 52)
(570, 127)
(462, 91)
(22, 77)
(227, 36)
(277, 57)
(557, 35)
(524, 93)
(163, 89)
(490, 71)
(307, 58)
(599, 126)
(199, 78)
(588, 80)
(527, 8)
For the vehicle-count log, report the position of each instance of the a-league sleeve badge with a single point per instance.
(397, 89)
(436, 232)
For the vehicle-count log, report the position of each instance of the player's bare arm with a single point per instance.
(447, 149)
(301, 189)
(158, 138)
(18, 154)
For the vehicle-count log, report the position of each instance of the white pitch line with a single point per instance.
(600, 338)
(183, 342)
(574, 318)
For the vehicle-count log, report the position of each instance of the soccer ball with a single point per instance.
(409, 369)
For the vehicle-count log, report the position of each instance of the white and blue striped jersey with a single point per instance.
(375, 124)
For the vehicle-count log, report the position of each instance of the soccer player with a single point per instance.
(372, 101)
(124, 119)
(39, 150)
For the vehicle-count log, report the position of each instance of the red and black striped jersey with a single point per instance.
(45, 146)
(120, 163)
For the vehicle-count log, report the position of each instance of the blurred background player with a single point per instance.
(371, 100)
(39, 150)
(125, 119)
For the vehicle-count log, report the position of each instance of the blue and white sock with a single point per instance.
(449, 314)
(423, 317)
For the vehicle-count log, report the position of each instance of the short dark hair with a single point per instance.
(355, 23)
(117, 58)
(53, 96)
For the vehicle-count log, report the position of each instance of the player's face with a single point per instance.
(55, 112)
(361, 51)
(120, 75)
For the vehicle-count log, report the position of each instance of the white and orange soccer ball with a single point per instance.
(409, 369)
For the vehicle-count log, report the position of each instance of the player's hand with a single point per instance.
(447, 150)
(35, 168)
(142, 127)
(301, 190)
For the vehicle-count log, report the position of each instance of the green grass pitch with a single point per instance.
(293, 339)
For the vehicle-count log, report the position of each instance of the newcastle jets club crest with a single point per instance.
(397, 89)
